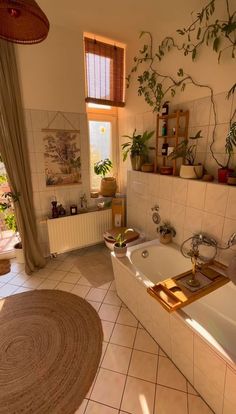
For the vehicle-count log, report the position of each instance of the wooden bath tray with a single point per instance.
(174, 293)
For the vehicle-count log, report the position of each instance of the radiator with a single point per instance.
(73, 232)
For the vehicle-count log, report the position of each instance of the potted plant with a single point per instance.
(120, 247)
(108, 184)
(224, 171)
(137, 147)
(167, 232)
(6, 208)
(188, 152)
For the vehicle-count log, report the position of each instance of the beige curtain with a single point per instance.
(13, 149)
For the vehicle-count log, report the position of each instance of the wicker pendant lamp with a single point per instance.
(22, 21)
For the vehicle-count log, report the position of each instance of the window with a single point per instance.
(104, 72)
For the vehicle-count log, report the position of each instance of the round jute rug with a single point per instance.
(50, 348)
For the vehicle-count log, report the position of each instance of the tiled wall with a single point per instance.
(42, 195)
(201, 118)
(190, 205)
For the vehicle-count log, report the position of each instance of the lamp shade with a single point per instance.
(22, 21)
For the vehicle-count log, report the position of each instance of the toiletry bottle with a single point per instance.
(164, 129)
(165, 108)
(164, 150)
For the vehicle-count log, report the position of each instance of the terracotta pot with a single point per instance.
(108, 187)
(165, 238)
(120, 251)
(137, 161)
(191, 171)
(231, 180)
(223, 174)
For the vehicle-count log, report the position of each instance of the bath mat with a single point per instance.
(5, 267)
(50, 348)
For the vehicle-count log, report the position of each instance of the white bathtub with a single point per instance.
(200, 338)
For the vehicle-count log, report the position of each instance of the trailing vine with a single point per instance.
(156, 87)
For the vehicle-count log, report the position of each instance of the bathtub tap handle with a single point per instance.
(145, 254)
(155, 207)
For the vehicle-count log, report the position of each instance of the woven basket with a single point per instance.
(108, 187)
(5, 266)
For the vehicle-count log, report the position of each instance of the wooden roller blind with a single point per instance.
(104, 73)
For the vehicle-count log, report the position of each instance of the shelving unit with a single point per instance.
(180, 133)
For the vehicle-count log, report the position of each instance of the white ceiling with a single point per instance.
(121, 20)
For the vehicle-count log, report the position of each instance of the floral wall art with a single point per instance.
(62, 157)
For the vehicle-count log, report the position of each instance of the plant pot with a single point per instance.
(120, 251)
(108, 187)
(137, 161)
(165, 238)
(147, 167)
(19, 254)
(231, 180)
(191, 171)
(223, 174)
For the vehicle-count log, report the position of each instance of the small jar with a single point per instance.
(164, 150)
(73, 209)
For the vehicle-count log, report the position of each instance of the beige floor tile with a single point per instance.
(117, 358)
(105, 286)
(66, 287)
(19, 280)
(111, 298)
(162, 353)
(190, 389)
(97, 408)
(95, 305)
(80, 290)
(83, 281)
(8, 277)
(169, 375)
(127, 318)
(108, 312)
(144, 342)
(107, 330)
(33, 282)
(123, 335)
(66, 266)
(81, 409)
(71, 278)
(198, 406)
(170, 401)
(57, 275)
(113, 286)
(138, 396)
(17, 267)
(48, 284)
(108, 388)
(96, 295)
(144, 366)
(21, 289)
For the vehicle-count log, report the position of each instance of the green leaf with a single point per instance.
(199, 33)
(194, 52)
(180, 72)
(181, 32)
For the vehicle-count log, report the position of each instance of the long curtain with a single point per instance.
(13, 149)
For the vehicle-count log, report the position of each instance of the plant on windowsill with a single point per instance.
(167, 232)
(137, 148)
(224, 171)
(108, 184)
(188, 153)
(120, 247)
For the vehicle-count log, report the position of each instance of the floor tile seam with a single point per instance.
(155, 393)
(128, 347)
(106, 405)
(131, 355)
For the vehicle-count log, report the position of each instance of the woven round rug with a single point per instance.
(50, 348)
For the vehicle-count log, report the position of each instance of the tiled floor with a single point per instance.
(134, 376)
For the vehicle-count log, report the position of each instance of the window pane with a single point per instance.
(99, 74)
(100, 147)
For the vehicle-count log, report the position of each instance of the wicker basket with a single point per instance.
(108, 187)
(5, 266)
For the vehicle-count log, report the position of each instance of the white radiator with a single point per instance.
(72, 232)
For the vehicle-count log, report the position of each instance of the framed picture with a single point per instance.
(62, 157)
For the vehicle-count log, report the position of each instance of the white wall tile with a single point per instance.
(231, 205)
(193, 220)
(216, 199)
(196, 194)
(180, 188)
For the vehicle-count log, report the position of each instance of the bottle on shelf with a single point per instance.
(164, 150)
(164, 128)
(165, 108)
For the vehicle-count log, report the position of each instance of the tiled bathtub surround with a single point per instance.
(67, 195)
(191, 206)
(211, 372)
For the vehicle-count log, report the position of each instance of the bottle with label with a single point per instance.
(164, 129)
(165, 108)
(164, 150)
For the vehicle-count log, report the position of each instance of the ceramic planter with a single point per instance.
(223, 174)
(19, 254)
(191, 171)
(108, 187)
(137, 162)
(120, 251)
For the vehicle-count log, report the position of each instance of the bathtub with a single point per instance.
(200, 338)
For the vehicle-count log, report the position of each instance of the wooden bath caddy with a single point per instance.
(173, 293)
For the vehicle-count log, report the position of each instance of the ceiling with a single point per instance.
(121, 20)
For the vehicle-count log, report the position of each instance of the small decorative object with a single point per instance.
(137, 148)
(164, 129)
(173, 130)
(22, 21)
(147, 167)
(54, 209)
(165, 108)
(120, 247)
(167, 232)
(155, 215)
(61, 210)
(166, 170)
(83, 202)
(189, 169)
(94, 194)
(101, 205)
(164, 150)
(232, 178)
(73, 209)
(170, 150)
(108, 184)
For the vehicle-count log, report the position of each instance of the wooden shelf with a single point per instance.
(180, 134)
